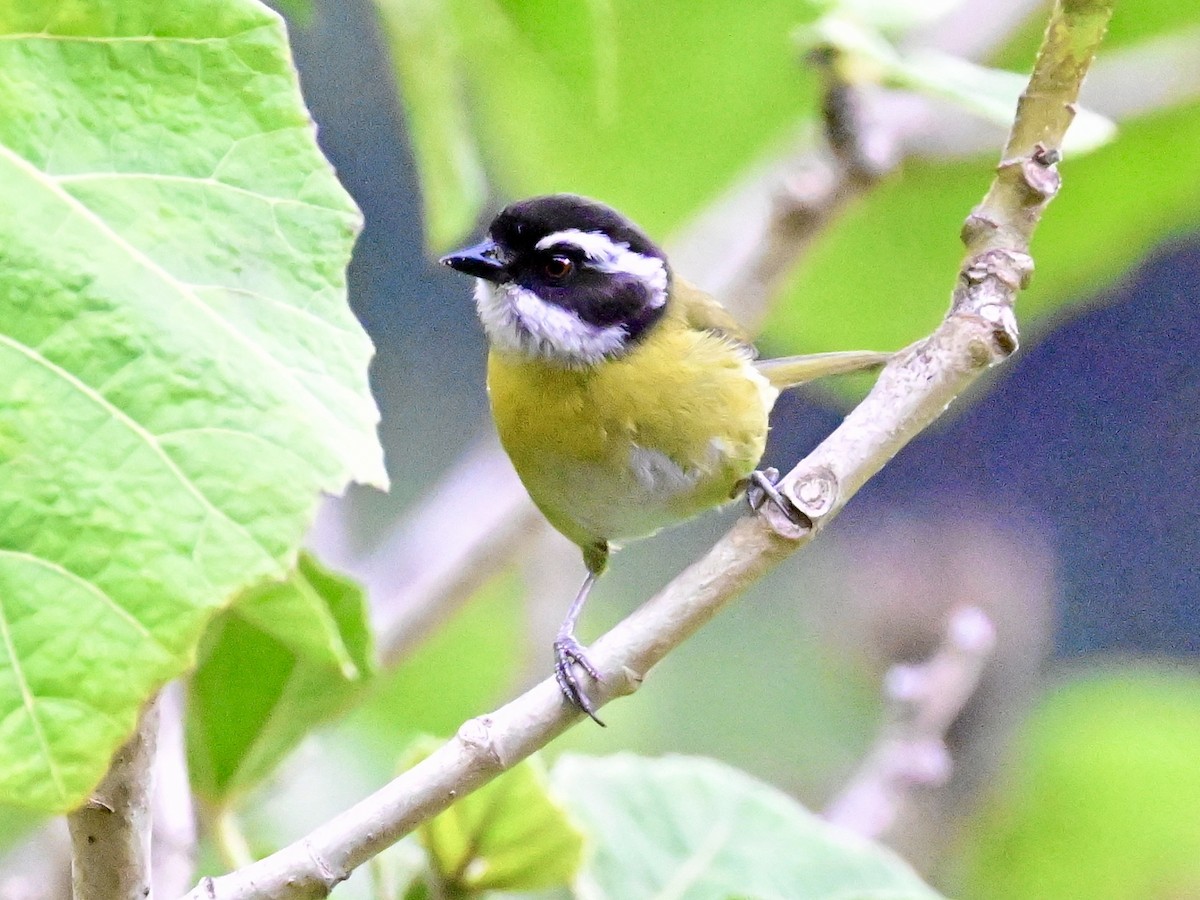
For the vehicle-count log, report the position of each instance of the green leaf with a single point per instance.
(425, 54)
(510, 835)
(577, 46)
(992, 94)
(283, 658)
(181, 373)
(300, 615)
(697, 91)
(687, 826)
(1101, 802)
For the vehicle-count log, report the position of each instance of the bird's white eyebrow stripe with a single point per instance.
(595, 244)
(608, 255)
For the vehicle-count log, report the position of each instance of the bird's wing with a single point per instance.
(703, 313)
(791, 371)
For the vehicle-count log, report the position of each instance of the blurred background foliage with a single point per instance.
(1059, 496)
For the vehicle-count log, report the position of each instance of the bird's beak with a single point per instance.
(482, 261)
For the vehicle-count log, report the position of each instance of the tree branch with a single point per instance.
(110, 833)
(978, 331)
(763, 227)
(921, 702)
(911, 392)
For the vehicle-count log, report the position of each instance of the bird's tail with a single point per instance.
(790, 371)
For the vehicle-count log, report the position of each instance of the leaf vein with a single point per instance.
(137, 430)
(30, 703)
(130, 38)
(184, 290)
(691, 869)
(93, 588)
(207, 181)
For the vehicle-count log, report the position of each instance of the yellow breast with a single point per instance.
(623, 448)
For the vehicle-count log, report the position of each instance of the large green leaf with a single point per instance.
(181, 374)
(285, 656)
(1101, 803)
(696, 828)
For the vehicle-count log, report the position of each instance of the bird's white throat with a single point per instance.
(519, 321)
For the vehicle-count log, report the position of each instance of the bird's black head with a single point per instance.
(566, 278)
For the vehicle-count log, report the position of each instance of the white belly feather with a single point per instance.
(647, 499)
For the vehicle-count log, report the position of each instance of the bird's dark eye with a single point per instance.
(558, 267)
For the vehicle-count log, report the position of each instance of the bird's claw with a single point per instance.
(567, 653)
(762, 488)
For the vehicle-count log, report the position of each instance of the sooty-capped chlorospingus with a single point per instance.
(626, 398)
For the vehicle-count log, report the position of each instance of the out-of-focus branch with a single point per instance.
(907, 574)
(470, 526)
(764, 227)
(921, 703)
(911, 392)
(110, 833)
(39, 868)
(173, 842)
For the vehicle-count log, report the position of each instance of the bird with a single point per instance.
(626, 398)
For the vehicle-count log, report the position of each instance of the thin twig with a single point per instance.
(912, 391)
(110, 833)
(921, 703)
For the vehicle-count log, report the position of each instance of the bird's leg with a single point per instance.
(761, 488)
(568, 652)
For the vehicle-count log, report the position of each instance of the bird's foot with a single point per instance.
(762, 487)
(567, 653)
